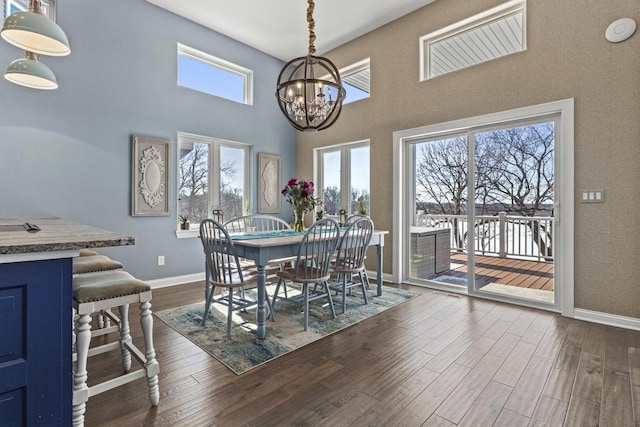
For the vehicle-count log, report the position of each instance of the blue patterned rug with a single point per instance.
(243, 351)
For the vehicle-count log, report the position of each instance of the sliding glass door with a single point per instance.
(499, 242)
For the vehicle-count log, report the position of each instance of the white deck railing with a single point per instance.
(502, 235)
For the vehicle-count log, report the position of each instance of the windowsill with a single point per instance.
(187, 234)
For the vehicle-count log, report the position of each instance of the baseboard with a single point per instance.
(175, 280)
(607, 319)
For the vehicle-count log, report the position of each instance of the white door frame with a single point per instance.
(564, 188)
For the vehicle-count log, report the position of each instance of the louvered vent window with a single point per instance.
(355, 79)
(489, 35)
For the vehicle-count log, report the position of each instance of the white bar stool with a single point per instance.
(93, 292)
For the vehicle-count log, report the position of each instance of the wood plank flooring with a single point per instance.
(437, 360)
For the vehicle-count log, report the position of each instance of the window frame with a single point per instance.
(476, 21)
(49, 7)
(354, 69)
(220, 64)
(214, 178)
(345, 170)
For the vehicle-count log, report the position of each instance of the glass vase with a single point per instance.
(298, 224)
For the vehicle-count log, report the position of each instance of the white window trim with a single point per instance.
(345, 165)
(50, 7)
(223, 64)
(214, 175)
(356, 68)
(564, 185)
(469, 23)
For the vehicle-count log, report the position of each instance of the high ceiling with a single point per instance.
(279, 27)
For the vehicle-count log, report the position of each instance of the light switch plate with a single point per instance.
(591, 196)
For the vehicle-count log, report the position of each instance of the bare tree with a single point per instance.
(193, 188)
(194, 181)
(331, 200)
(521, 173)
(513, 172)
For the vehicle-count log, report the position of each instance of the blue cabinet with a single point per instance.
(35, 343)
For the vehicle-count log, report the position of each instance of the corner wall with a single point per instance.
(567, 56)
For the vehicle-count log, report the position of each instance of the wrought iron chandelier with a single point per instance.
(309, 90)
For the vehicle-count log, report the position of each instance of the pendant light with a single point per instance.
(309, 90)
(34, 32)
(31, 73)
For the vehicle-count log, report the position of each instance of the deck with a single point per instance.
(533, 275)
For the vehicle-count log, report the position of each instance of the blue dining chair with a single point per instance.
(224, 270)
(311, 267)
(349, 261)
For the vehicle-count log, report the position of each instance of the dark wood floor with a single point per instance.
(504, 271)
(437, 360)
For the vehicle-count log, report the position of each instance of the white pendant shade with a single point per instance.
(31, 73)
(36, 33)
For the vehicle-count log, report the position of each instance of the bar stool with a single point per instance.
(93, 292)
(90, 262)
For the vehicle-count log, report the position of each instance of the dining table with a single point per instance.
(261, 247)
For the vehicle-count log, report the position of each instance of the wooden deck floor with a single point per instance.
(504, 271)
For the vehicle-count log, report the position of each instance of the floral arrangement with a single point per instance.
(300, 194)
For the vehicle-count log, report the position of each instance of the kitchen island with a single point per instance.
(35, 316)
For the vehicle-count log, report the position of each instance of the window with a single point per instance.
(212, 174)
(206, 73)
(489, 35)
(13, 6)
(356, 80)
(343, 167)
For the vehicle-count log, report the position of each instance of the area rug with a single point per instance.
(243, 351)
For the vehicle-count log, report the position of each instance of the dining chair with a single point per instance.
(311, 267)
(350, 220)
(349, 260)
(223, 270)
(257, 223)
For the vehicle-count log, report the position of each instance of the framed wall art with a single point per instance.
(269, 197)
(150, 167)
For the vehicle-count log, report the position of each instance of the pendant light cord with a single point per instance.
(312, 34)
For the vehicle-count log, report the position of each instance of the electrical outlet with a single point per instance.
(160, 259)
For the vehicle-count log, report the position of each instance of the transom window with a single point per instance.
(356, 80)
(206, 73)
(213, 174)
(342, 173)
(492, 34)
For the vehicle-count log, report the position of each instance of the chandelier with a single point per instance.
(309, 90)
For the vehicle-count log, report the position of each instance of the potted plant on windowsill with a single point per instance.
(184, 222)
(362, 205)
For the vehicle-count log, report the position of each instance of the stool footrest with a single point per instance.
(116, 382)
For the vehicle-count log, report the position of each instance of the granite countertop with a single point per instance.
(56, 235)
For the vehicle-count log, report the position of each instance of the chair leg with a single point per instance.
(151, 366)
(328, 291)
(364, 291)
(305, 292)
(125, 337)
(80, 388)
(230, 313)
(344, 293)
(209, 296)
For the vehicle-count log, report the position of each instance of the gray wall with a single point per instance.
(567, 56)
(66, 153)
